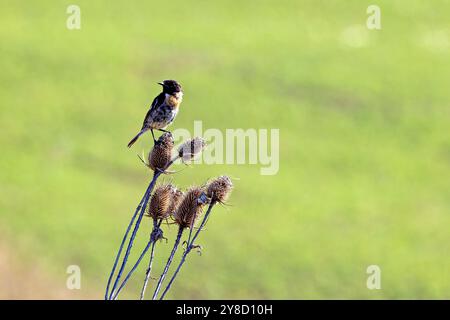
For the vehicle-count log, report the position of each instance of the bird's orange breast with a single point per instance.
(173, 101)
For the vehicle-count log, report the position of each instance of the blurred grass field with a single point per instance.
(364, 141)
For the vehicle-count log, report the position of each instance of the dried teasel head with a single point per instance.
(219, 189)
(189, 149)
(161, 154)
(177, 196)
(191, 207)
(160, 202)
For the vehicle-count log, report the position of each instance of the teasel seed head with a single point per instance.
(191, 207)
(177, 196)
(189, 149)
(219, 189)
(160, 202)
(161, 154)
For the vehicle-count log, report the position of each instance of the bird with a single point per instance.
(163, 110)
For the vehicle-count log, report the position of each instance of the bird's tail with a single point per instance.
(135, 138)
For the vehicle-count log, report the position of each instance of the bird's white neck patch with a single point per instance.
(177, 95)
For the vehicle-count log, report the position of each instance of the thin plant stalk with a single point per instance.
(148, 271)
(149, 268)
(136, 227)
(151, 243)
(189, 247)
(121, 246)
(140, 206)
(130, 244)
(169, 261)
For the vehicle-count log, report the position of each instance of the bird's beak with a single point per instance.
(160, 83)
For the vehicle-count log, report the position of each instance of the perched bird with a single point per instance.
(163, 111)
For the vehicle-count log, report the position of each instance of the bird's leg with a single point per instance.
(153, 135)
(163, 130)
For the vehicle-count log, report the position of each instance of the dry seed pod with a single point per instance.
(191, 207)
(219, 189)
(188, 150)
(177, 196)
(161, 154)
(161, 201)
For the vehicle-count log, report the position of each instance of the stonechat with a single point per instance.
(163, 110)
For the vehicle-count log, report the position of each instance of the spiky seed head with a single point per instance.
(161, 201)
(161, 154)
(219, 189)
(191, 207)
(189, 149)
(177, 196)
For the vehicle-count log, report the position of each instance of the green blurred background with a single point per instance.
(364, 144)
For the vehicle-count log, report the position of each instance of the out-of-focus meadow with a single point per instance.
(363, 115)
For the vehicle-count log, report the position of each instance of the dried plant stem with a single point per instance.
(149, 268)
(154, 236)
(121, 246)
(136, 227)
(189, 247)
(148, 271)
(169, 261)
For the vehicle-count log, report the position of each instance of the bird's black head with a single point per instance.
(170, 86)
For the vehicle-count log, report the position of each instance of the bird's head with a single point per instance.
(170, 86)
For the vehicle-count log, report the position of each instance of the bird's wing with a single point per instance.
(159, 100)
